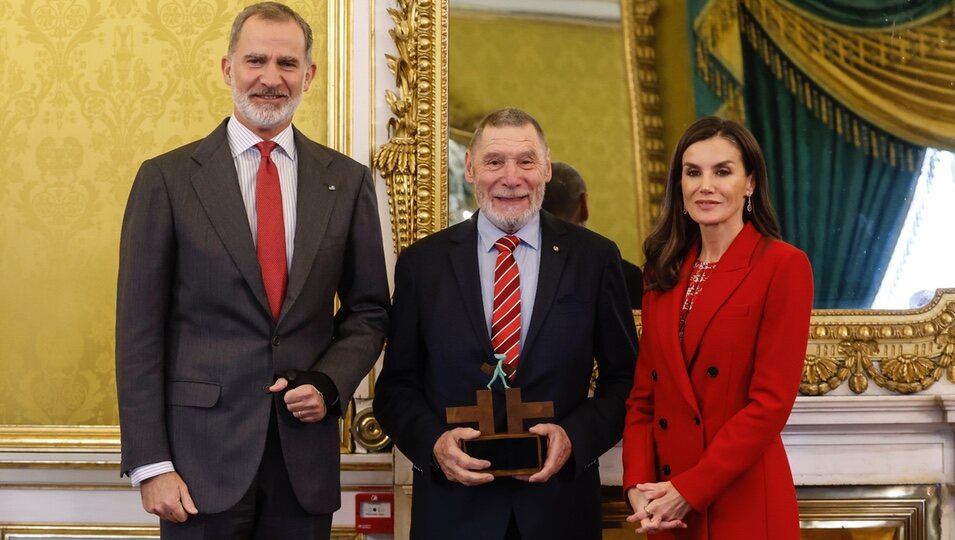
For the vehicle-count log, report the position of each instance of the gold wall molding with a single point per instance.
(71, 531)
(414, 160)
(339, 76)
(59, 438)
(904, 512)
(12, 531)
(646, 111)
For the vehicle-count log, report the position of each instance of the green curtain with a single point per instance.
(871, 13)
(836, 200)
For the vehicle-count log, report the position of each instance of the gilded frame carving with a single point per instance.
(105, 438)
(904, 352)
(414, 162)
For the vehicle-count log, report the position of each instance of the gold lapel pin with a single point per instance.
(556, 247)
(331, 188)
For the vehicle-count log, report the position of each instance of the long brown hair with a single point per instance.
(674, 233)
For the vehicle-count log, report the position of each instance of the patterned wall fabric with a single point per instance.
(572, 77)
(90, 89)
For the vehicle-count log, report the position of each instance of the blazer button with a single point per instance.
(663, 423)
(653, 375)
(276, 341)
(696, 419)
(666, 470)
(712, 371)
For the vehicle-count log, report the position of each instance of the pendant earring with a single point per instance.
(749, 203)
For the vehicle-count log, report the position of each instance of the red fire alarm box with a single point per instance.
(373, 513)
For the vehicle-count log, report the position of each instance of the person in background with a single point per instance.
(545, 295)
(566, 198)
(725, 328)
(232, 367)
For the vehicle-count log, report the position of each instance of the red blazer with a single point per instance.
(714, 431)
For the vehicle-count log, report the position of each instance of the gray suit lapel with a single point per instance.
(464, 262)
(217, 186)
(552, 258)
(317, 194)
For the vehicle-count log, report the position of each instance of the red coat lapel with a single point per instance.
(726, 277)
(670, 304)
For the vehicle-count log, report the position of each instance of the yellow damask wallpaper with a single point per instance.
(90, 89)
(572, 77)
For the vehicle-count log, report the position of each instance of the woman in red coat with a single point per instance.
(725, 328)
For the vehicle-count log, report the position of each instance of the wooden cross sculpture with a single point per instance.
(517, 411)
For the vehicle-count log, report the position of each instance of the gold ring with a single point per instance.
(646, 510)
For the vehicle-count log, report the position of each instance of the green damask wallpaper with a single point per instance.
(90, 89)
(572, 77)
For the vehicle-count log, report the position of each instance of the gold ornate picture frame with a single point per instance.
(903, 351)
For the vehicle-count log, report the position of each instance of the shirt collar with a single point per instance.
(488, 233)
(242, 138)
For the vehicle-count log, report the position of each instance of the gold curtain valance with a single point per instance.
(900, 81)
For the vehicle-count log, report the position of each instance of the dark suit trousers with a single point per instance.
(268, 510)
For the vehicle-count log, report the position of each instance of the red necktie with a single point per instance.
(270, 229)
(506, 316)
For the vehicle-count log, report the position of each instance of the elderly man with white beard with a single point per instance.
(544, 297)
(232, 366)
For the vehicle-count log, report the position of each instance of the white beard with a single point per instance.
(510, 223)
(265, 116)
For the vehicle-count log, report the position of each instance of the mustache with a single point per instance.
(510, 193)
(269, 92)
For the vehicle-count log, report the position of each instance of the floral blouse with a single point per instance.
(698, 275)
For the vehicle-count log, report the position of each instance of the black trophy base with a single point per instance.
(510, 454)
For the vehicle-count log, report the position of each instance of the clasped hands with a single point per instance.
(657, 507)
(464, 469)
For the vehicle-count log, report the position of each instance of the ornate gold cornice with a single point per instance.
(901, 351)
(414, 160)
(645, 110)
(904, 351)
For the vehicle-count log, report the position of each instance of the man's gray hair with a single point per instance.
(507, 117)
(274, 12)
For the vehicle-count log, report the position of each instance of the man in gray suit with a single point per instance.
(231, 366)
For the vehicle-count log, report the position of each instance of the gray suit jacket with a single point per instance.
(196, 344)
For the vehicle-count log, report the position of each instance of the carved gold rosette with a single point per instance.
(901, 351)
(414, 160)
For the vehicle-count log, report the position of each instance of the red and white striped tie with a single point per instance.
(506, 316)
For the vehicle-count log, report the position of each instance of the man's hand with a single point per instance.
(558, 451)
(167, 496)
(305, 402)
(456, 465)
(657, 507)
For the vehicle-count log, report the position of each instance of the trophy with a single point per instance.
(516, 452)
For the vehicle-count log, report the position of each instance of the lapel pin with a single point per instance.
(331, 188)
(556, 247)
